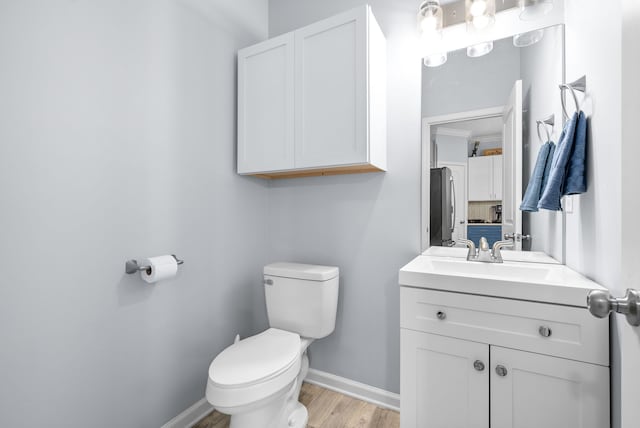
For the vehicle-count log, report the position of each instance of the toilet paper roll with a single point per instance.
(162, 267)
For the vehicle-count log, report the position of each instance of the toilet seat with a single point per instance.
(254, 368)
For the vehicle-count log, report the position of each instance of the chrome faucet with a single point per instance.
(484, 253)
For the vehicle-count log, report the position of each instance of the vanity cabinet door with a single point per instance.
(532, 391)
(444, 382)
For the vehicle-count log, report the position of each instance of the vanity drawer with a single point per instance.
(563, 331)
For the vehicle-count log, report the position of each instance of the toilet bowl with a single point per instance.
(257, 380)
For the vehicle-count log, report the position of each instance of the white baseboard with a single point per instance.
(190, 416)
(361, 391)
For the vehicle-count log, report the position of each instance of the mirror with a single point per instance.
(481, 141)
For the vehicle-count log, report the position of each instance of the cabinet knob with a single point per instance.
(544, 331)
(478, 365)
(441, 315)
(501, 371)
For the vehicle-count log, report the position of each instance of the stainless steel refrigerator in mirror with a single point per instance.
(443, 209)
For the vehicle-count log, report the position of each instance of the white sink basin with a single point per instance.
(514, 272)
(507, 255)
(540, 282)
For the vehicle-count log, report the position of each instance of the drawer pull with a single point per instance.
(544, 331)
(501, 371)
(478, 365)
(441, 315)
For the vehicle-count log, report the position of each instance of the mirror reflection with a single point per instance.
(481, 141)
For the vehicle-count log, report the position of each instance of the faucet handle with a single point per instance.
(497, 254)
(469, 244)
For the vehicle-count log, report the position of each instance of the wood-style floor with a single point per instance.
(328, 409)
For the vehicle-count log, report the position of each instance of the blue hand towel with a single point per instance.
(538, 178)
(550, 199)
(575, 181)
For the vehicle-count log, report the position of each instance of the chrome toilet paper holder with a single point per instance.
(131, 266)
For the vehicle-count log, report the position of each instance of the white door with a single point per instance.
(626, 339)
(265, 106)
(459, 174)
(534, 391)
(512, 166)
(444, 382)
(331, 91)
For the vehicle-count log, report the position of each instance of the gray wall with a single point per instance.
(594, 229)
(452, 149)
(117, 141)
(465, 84)
(367, 224)
(542, 69)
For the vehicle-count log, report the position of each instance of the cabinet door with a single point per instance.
(331, 88)
(497, 177)
(439, 385)
(480, 178)
(538, 391)
(265, 106)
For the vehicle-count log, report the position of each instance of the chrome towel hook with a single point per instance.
(578, 85)
(550, 121)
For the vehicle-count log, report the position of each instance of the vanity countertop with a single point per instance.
(538, 278)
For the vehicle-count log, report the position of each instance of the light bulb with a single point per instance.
(480, 14)
(478, 8)
(534, 9)
(429, 24)
(430, 19)
(481, 22)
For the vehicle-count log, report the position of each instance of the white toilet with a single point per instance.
(257, 380)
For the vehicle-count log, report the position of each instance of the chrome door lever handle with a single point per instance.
(600, 304)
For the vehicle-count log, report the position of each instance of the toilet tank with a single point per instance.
(302, 298)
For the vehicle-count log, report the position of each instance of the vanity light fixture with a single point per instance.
(480, 14)
(534, 9)
(430, 19)
(527, 39)
(479, 50)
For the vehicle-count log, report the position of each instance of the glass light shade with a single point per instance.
(534, 9)
(430, 19)
(527, 39)
(480, 14)
(480, 49)
(435, 60)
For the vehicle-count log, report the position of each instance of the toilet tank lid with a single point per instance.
(301, 271)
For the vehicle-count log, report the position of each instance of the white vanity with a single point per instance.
(507, 345)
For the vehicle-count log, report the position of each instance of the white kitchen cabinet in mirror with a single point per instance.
(458, 94)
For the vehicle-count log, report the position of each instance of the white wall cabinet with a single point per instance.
(485, 178)
(313, 101)
(478, 362)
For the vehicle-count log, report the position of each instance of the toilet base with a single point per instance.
(299, 417)
(282, 410)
